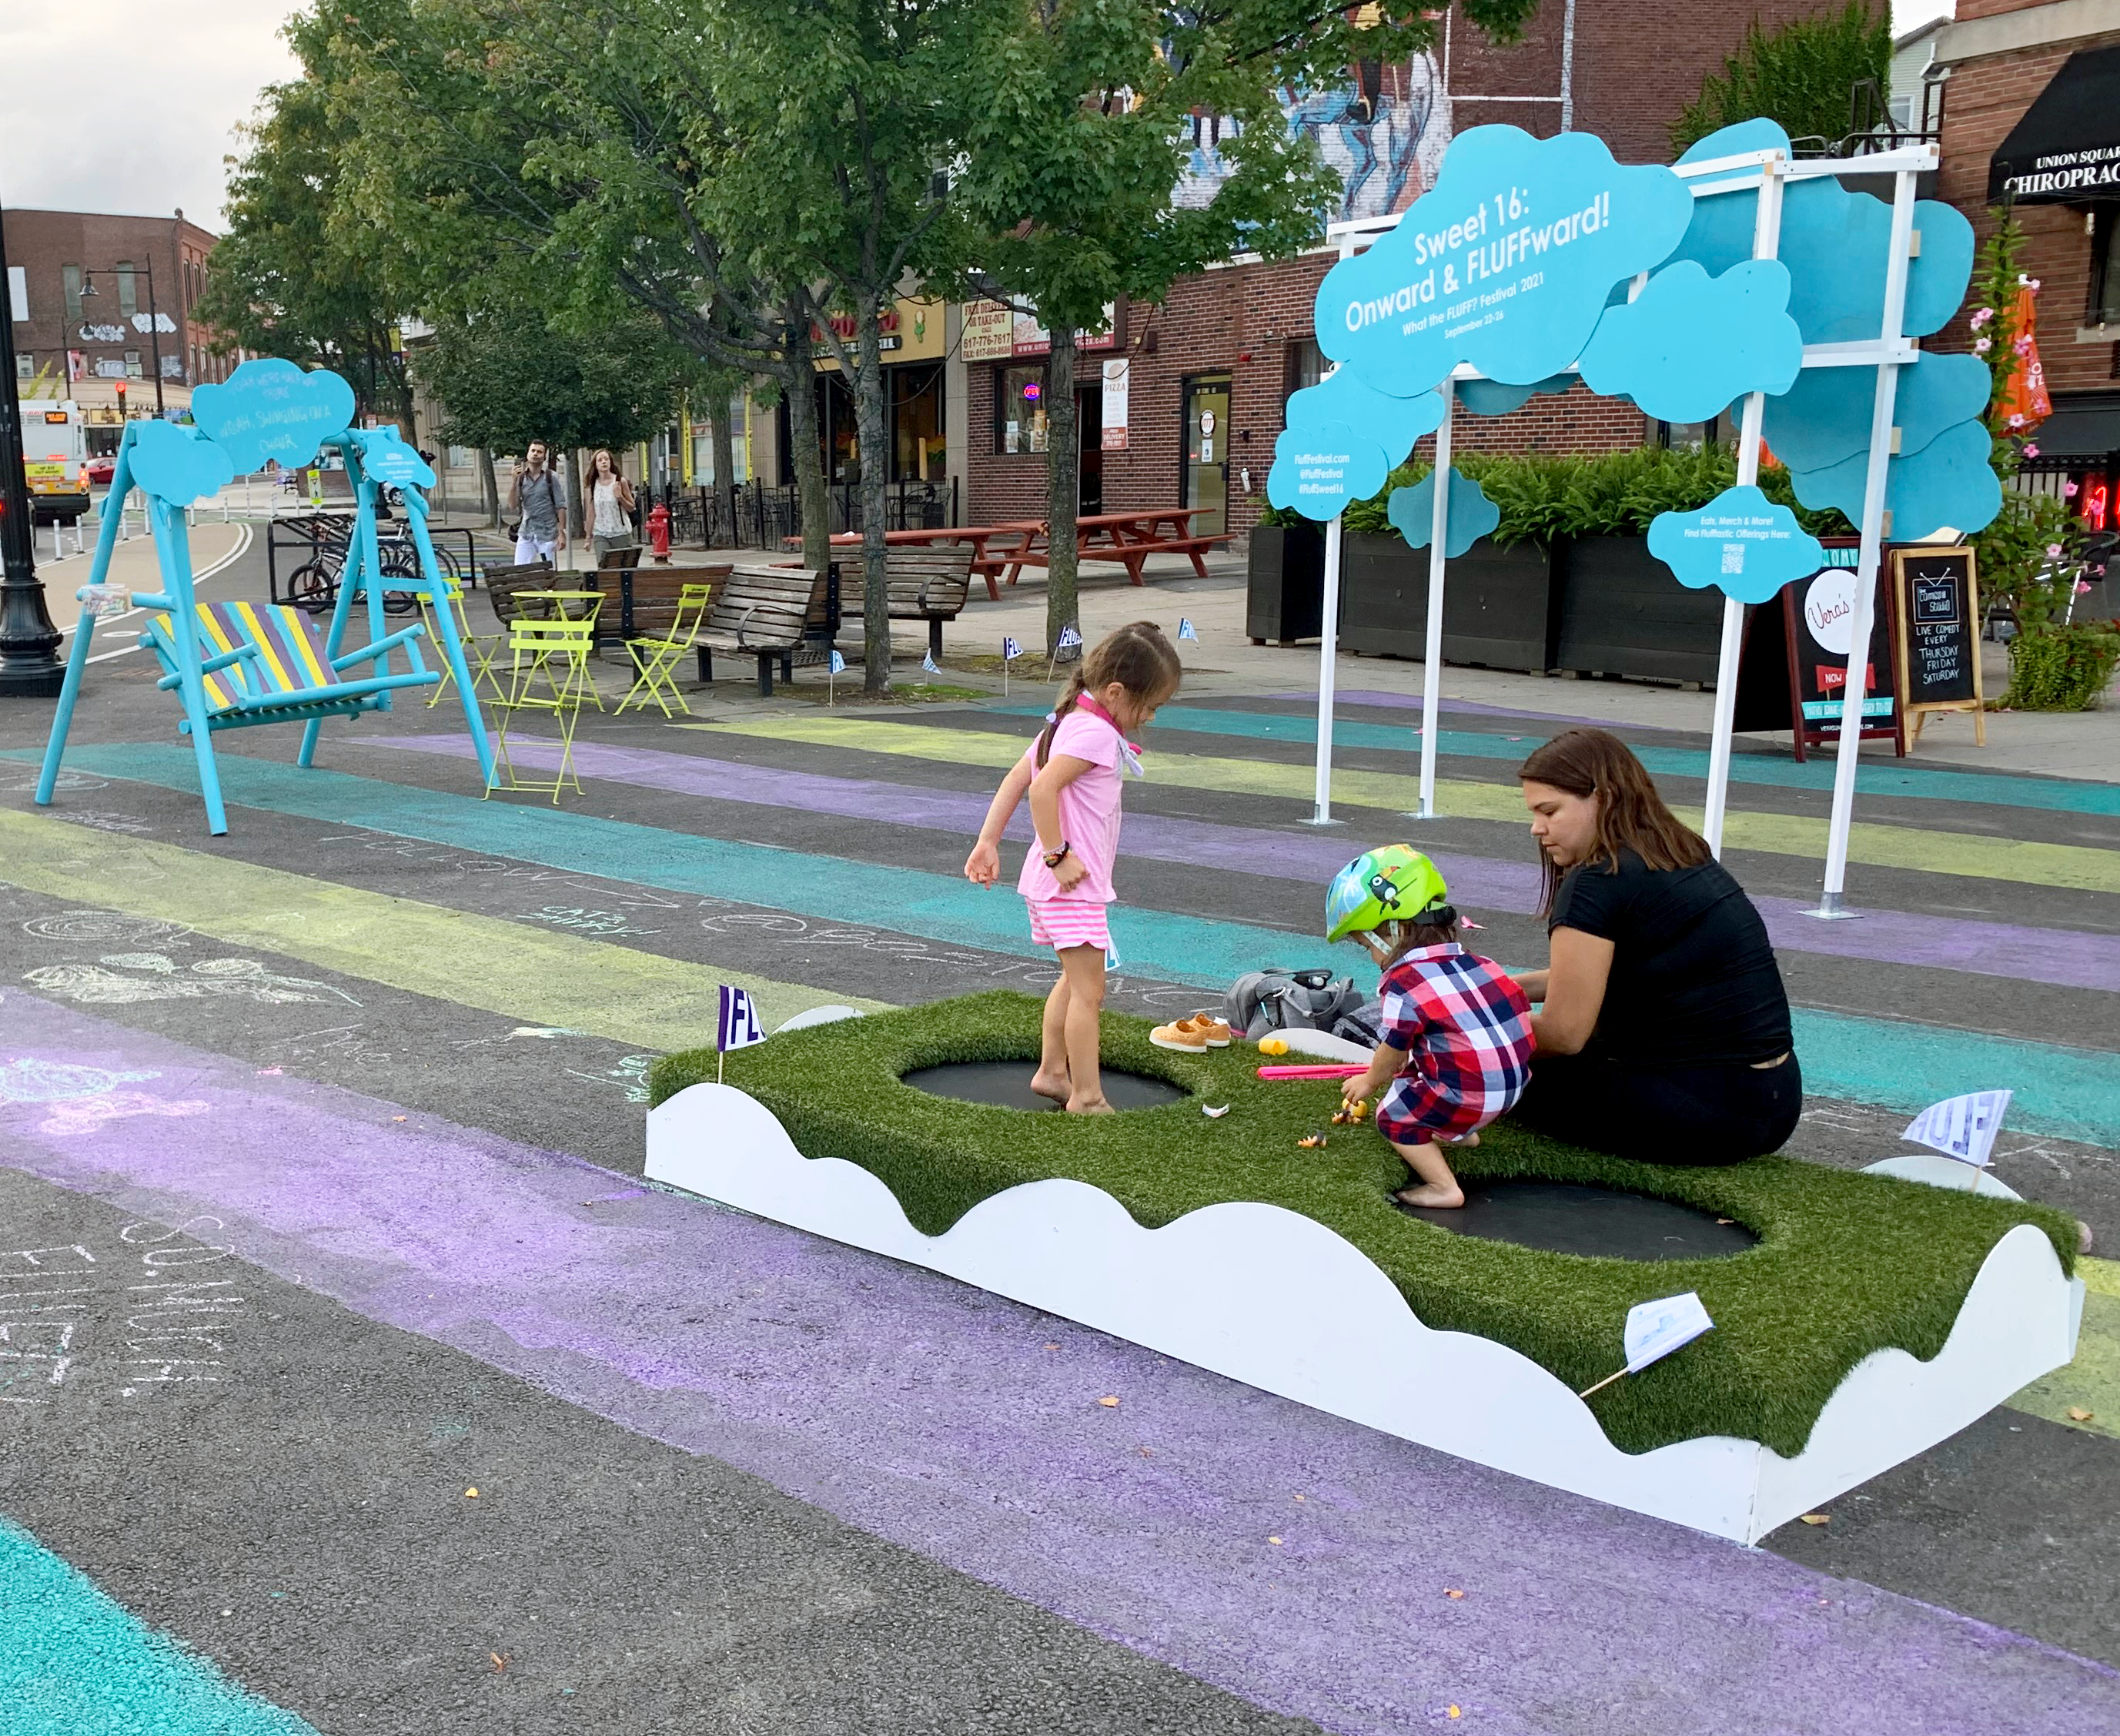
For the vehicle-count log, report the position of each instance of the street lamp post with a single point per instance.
(29, 667)
(154, 322)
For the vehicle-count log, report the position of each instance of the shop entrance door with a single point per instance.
(1206, 482)
(1090, 428)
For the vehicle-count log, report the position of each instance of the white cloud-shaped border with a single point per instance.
(1273, 1299)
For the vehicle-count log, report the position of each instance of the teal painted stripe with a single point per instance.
(1875, 779)
(72, 1663)
(2070, 1093)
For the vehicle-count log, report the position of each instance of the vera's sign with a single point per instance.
(1506, 263)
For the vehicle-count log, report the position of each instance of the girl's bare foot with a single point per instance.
(1432, 1198)
(1088, 1106)
(1055, 1085)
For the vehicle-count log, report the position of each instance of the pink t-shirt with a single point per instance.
(1089, 810)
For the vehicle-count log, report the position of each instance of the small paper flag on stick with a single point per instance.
(1010, 650)
(839, 663)
(1069, 637)
(738, 1025)
(1186, 630)
(927, 663)
(1655, 1330)
(1962, 1128)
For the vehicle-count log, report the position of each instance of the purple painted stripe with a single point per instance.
(966, 1427)
(2067, 958)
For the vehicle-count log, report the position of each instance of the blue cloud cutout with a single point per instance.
(1505, 262)
(175, 464)
(1321, 470)
(271, 409)
(1740, 542)
(1825, 416)
(385, 457)
(1394, 423)
(1833, 243)
(1491, 397)
(1412, 513)
(1949, 481)
(1689, 344)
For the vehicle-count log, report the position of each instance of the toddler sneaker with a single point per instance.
(1195, 1035)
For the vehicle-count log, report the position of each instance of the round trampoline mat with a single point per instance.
(1006, 1085)
(1566, 1217)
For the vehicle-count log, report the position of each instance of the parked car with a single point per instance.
(101, 470)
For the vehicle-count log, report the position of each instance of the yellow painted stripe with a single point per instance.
(296, 630)
(2091, 1383)
(2029, 863)
(284, 679)
(513, 968)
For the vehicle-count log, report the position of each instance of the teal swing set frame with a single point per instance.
(238, 665)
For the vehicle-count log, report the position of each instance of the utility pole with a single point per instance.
(29, 667)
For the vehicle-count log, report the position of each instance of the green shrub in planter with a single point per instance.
(2062, 668)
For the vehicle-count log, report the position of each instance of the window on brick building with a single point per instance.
(1306, 366)
(129, 289)
(24, 365)
(2105, 266)
(1019, 408)
(70, 282)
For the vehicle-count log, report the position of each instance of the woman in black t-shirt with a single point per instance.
(1663, 1028)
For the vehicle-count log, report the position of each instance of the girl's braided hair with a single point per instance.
(1136, 656)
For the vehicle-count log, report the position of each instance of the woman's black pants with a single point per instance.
(1663, 1115)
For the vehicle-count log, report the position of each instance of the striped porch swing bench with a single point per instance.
(264, 663)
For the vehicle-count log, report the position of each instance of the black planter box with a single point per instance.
(1498, 603)
(1622, 613)
(1285, 597)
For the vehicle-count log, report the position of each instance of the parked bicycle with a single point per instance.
(313, 585)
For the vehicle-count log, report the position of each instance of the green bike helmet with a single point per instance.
(1394, 883)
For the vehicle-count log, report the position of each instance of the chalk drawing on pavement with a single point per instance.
(102, 927)
(630, 1076)
(36, 1079)
(500, 870)
(91, 1115)
(24, 778)
(98, 820)
(346, 1044)
(607, 923)
(133, 978)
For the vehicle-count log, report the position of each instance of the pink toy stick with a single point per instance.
(1336, 1070)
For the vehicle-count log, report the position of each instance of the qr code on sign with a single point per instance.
(1733, 557)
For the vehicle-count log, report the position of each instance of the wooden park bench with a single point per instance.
(641, 602)
(929, 583)
(767, 612)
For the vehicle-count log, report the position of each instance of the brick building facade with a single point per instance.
(1631, 66)
(81, 345)
(2031, 111)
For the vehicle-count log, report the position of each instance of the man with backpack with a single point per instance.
(539, 504)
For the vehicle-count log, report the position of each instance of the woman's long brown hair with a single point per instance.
(1631, 814)
(1138, 656)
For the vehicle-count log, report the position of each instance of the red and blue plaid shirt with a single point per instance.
(1465, 1024)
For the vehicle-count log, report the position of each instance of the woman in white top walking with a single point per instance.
(610, 506)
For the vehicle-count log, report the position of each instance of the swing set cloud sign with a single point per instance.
(1506, 263)
(272, 409)
(1740, 542)
(174, 465)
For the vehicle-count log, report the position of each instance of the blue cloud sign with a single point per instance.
(271, 409)
(385, 457)
(1505, 262)
(1393, 423)
(1690, 344)
(1739, 542)
(1321, 470)
(1491, 397)
(1412, 513)
(1825, 416)
(1949, 482)
(175, 464)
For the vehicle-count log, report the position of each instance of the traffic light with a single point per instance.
(120, 385)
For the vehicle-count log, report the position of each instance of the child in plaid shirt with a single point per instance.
(1456, 1031)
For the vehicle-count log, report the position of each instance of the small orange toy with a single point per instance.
(1351, 1114)
(1311, 1141)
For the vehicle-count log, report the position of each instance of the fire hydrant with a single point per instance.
(659, 532)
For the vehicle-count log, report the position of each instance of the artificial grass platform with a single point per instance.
(1847, 1263)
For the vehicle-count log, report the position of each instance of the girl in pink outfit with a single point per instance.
(1071, 774)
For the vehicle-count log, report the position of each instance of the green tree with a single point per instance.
(1072, 139)
(284, 281)
(1802, 74)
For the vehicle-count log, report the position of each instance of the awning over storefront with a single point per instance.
(2086, 427)
(2066, 148)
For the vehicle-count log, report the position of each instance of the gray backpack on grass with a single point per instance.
(1262, 1002)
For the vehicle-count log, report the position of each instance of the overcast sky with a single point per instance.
(130, 105)
(119, 106)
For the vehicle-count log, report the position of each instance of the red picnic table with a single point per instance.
(1016, 536)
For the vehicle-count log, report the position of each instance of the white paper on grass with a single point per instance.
(1964, 1127)
(1655, 1330)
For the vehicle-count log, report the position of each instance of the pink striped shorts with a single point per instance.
(1060, 923)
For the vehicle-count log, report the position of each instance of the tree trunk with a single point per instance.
(718, 436)
(798, 379)
(1064, 462)
(577, 499)
(869, 425)
(489, 488)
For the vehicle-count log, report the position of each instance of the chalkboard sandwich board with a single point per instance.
(1938, 647)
